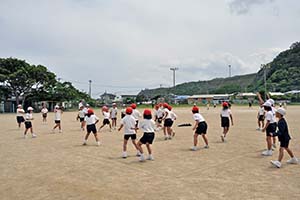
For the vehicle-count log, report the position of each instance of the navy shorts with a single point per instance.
(81, 119)
(261, 118)
(271, 129)
(20, 119)
(28, 124)
(202, 128)
(168, 123)
(225, 122)
(91, 128)
(106, 121)
(44, 115)
(147, 138)
(285, 143)
(132, 136)
(57, 121)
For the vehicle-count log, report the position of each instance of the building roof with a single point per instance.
(276, 93)
(246, 94)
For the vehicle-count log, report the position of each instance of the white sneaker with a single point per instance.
(138, 154)
(276, 163)
(166, 138)
(222, 138)
(142, 158)
(150, 157)
(98, 143)
(170, 137)
(34, 135)
(293, 160)
(124, 155)
(267, 153)
(84, 143)
(258, 129)
(60, 131)
(194, 148)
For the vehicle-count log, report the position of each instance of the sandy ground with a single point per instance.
(57, 166)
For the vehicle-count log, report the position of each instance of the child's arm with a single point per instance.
(97, 121)
(267, 124)
(261, 101)
(196, 124)
(120, 127)
(231, 119)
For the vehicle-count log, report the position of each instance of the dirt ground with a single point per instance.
(57, 166)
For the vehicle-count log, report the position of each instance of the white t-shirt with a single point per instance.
(160, 113)
(28, 116)
(81, 113)
(136, 114)
(270, 117)
(85, 110)
(198, 117)
(20, 112)
(147, 126)
(173, 116)
(129, 125)
(106, 115)
(226, 113)
(80, 105)
(44, 110)
(91, 120)
(167, 113)
(261, 111)
(114, 112)
(57, 115)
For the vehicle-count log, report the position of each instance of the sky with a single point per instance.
(124, 46)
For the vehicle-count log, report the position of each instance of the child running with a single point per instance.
(44, 112)
(226, 117)
(106, 115)
(129, 124)
(284, 138)
(148, 128)
(269, 128)
(20, 117)
(173, 118)
(261, 118)
(91, 120)
(167, 122)
(113, 115)
(81, 116)
(136, 114)
(28, 123)
(57, 119)
(200, 128)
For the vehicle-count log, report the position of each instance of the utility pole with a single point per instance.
(90, 88)
(229, 66)
(174, 69)
(264, 67)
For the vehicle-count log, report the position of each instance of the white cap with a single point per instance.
(56, 106)
(114, 104)
(87, 105)
(30, 108)
(267, 104)
(19, 106)
(271, 101)
(281, 111)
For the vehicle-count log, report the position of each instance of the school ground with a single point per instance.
(57, 166)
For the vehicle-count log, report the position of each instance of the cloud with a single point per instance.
(241, 7)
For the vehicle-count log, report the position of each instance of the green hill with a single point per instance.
(283, 74)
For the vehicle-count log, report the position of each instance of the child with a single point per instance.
(113, 115)
(106, 114)
(81, 115)
(284, 138)
(57, 118)
(91, 120)
(159, 115)
(225, 121)
(44, 112)
(200, 128)
(28, 124)
(173, 118)
(167, 122)
(148, 127)
(136, 114)
(261, 118)
(129, 124)
(269, 128)
(20, 113)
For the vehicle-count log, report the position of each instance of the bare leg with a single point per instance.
(139, 145)
(290, 152)
(87, 136)
(195, 139)
(135, 145)
(205, 139)
(149, 148)
(96, 137)
(269, 142)
(125, 145)
(280, 154)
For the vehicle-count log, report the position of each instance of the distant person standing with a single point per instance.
(81, 115)
(269, 128)
(261, 118)
(28, 123)
(20, 115)
(113, 115)
(91, 120)
(226, 117)
(44, 112)
(106, 115)
(136, 114)
(57, 119)
(200, 128)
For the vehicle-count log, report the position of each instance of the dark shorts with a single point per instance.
(28, 124)
(137, 123)
(225, 122)
(147, 138)
(168, 123)
(202, 128)
(271, 129)
(114, 118)
(44, 115)
(261, 118)
(20, 119)
(132, 136)
(122, 115)
(91, 128)
(81, 119)
(159, 120)
(285, 143)
(57, 121)
(106, 121)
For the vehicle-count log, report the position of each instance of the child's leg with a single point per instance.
(274, 140)
(205, 139)
(195, 139)
(258, 122)
(149, 148)
(25, 131)
(165, 131)
(280, 154)
(269, 142)
(290, 152)
(139, 145)
(31, 130)
(87, 136)
(134, 143)
(96, 137)
(125, 145)
(59, 126)
(56, 125)
(169, 130)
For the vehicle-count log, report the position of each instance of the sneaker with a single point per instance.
(150, 157)
(293, 160)
(98, 143)
(206, 147)
(84, 144)
(60, 131)
(124, 155)
(274, 146)
(276, 163)
(194, 148)
(25, 136)
(170, 137)
(34, 135)
(142, 158)
(166, 138)
(222, 138)
(138, 154)
(267, 153)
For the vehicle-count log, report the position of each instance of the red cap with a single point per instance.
(129, 110)
(170, 108)
(147, 112)
(195, 109)
(90, 112)
(225, 104)
(165, 105)
(133, 106)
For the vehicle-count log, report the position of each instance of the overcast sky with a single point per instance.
(127, 45)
